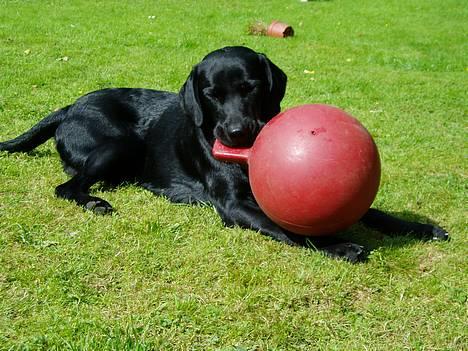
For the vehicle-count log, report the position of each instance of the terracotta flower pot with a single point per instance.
(279, 29)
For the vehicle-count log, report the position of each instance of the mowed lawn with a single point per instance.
(160, 276)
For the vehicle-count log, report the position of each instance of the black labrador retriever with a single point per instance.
(163, 141)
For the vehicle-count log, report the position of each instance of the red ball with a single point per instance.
(314, 169)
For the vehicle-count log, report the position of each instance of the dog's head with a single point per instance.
(232, 93)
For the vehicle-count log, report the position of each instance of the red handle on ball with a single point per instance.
(230, 154)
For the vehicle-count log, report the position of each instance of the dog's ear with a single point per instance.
(189, 98)
(276, 88)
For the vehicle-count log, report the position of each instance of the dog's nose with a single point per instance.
(239, 136)
(237, 133)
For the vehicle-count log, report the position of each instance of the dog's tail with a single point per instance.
(37, 135)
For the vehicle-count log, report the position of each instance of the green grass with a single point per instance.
(161, 276)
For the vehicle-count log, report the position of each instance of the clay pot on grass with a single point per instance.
(276, 29)
(279, 29)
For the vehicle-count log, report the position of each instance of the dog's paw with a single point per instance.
(347, 251)
(439, 234)
(99, 206)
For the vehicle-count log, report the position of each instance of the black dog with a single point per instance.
(163, 141)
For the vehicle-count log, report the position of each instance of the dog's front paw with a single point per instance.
(439, 234)
(99, 206)
(347, 251)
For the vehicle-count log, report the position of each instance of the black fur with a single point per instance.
(163, 141)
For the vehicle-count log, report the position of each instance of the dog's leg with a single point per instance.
(111, 162)
(390, 225)
(77, 189)
(252, 217)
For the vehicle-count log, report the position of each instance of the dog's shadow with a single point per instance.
(42, 152)
(35, 153)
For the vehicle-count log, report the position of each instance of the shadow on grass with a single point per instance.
(41, 153)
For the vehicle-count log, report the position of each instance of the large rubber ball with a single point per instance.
(314, 169)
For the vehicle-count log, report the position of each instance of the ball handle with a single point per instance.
(230, 154)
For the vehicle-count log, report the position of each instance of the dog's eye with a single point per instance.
(214, 94)
(245, 88)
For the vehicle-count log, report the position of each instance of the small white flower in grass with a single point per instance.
(306, 71)
(151, 17)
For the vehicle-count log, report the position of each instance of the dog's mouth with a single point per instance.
(235, 143)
